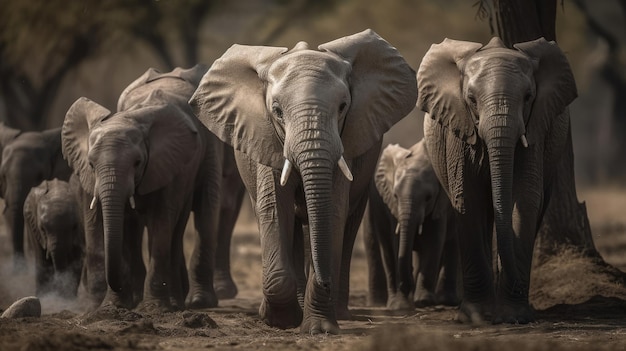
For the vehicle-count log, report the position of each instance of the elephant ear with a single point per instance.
(439, 78)
(448, 125)
(230, 102)
(383, 89)
(384, 178)
(556, 87)
(172, 139)
(79, 119)
(30, 215)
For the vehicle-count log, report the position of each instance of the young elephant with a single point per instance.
(419, 212)
(149, 164)
(27, 158)
(55, 236)
(496, 124)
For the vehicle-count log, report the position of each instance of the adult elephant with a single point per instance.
(416, 210)
(27, 159)
(315, 114)
(54, 231)
(149, 164)
(497, 123)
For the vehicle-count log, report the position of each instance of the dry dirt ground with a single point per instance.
(579, 307)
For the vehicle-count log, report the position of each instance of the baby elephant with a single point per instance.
(414, 206)
(55, 236)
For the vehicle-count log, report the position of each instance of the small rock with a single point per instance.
(24, 307)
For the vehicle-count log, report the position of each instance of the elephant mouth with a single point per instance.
(288, 168)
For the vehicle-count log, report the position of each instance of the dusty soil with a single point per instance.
(579, 306)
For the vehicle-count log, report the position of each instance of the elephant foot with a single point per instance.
(473, 313)
(155, 306)
(225, 287)
(201, 299)
(425, 299)
(117, 300)
(447, 299)
(281, 316)
(343, 313)
(514, 314)
(400, 303)
(319, 325)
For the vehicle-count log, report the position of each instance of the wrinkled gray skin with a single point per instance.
(156, 156)
(497, 123)
(54, 232)
(27, 158)
(416, 218)
(309, 107)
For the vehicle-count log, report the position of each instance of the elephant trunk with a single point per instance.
(501, 139)
(409, 220)
(14, 216)
(112, 201)
(317, 175)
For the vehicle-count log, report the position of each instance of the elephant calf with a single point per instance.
(409, 201)
(55, 236)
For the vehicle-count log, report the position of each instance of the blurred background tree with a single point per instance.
(52, 52)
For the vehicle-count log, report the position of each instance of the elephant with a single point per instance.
(307, 127)
(496, 123)
(28, 158)
(417, 209)
(148, 165)
(55, 236)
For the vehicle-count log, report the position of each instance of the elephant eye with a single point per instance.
(90, 165)
(342, 107)
(527, 97)
(472, 100)
(277, 111)
(137, 163)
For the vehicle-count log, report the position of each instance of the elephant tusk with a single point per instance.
(398, 229)
(284, 176)
(344, 169)
(419, 230)
(524, 141)
(92, 205)
(132, 202)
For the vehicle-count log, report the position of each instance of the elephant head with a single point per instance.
(54, 230)
(496, 99)
(119, 155)
(408, 185)
(307, 110)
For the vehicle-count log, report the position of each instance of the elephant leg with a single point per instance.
(351, 229)
(301, 255)
(180, 282)
(223, 282)
(94, 271)
(161, 226)
(375, 227)
(430, 247)
(475, 253)
(274, 206)
(206, 209)
(14, 219)
(446, 292)
(133, 229)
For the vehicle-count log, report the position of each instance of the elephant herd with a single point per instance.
(301, 131)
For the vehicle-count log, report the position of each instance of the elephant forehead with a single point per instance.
(116, 131)
(308, 63)
(499, 59)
